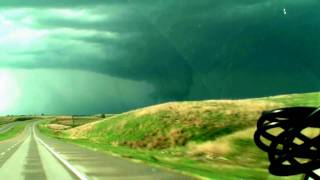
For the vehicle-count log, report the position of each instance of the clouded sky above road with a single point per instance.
(83, 57)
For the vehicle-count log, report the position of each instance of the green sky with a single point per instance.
(83, 57)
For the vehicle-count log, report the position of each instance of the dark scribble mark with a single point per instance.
(291, 138)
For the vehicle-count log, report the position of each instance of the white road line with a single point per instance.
(3, 153)
(58, 156)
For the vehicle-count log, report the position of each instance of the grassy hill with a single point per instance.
(212, 139)
(175, 124)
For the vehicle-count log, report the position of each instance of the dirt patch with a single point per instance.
(159, 140)
(177, 137)
(122, 124)
(81, 131)
(221, 146)
(156, 142)
(212, 148)
(57, 127)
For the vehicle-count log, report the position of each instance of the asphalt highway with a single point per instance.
(32, 156)
(8, 126)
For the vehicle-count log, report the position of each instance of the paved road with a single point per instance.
(33, 156)
(6, 127)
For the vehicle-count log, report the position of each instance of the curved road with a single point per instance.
(33, 156)
(6, 127)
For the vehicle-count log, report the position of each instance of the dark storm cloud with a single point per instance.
(199, 49)
(245, 48)
(52, 3)
(53, 91)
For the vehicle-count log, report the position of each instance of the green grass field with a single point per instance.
(14, 131)
(211, 139)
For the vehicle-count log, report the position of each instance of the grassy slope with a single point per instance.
(208, 138)
(18, 128)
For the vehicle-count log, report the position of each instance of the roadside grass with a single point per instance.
(304, 99)
(233, 166)
(211, 139)
(14, 131)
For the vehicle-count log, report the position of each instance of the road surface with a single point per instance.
(33, 156)
(6, 127)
